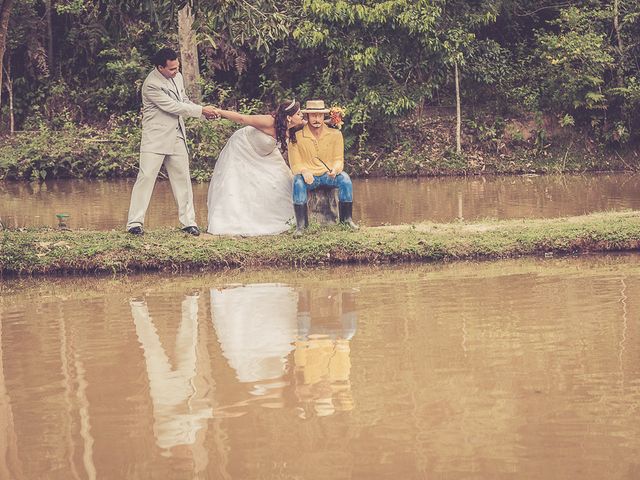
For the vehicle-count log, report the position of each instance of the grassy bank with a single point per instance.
(46, 251)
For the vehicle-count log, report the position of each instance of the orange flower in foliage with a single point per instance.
(335, 115)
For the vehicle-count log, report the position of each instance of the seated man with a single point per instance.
(316, 157)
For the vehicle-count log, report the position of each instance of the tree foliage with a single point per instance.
(381, 59)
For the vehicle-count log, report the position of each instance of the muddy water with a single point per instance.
(522, 369)
(103, 205)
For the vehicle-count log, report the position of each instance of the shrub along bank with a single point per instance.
(47, 251)
(417, 146)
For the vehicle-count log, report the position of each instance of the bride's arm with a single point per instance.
(261, 122)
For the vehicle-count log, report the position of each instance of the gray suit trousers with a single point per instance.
(177, 166)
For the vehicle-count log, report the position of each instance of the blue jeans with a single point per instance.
(342, 182)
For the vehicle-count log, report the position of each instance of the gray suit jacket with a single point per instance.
(164, 103)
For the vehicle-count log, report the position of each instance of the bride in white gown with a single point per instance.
(251, 187)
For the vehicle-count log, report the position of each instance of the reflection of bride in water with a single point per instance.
(256, 328)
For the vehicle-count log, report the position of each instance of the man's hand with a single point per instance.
(308, 177)
(210, 112)
(335, 171)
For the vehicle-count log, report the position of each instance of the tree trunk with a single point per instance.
(189, 54)
(48, 13)
(9, 84)
(458, 112)
(616, 27)
(323, 205)
(5, 13)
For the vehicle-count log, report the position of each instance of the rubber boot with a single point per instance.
(345, 209)
(302, 219)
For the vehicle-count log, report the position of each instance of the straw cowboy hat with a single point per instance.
(315, 106)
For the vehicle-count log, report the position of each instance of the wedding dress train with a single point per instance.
(251, 186)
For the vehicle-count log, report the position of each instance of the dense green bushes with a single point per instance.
(545, 86)
(575, 61)
(84, 151)
(70, 152)
(416, 146)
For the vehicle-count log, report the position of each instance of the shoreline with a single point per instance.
(46, 251)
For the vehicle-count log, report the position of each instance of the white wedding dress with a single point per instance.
(251, 187)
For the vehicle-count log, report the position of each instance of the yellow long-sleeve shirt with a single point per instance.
(308, 151)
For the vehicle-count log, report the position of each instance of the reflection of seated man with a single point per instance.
(322, 356)
(317, 159)
(179, 412)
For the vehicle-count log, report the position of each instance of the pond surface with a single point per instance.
(103, 205)
(522, 369)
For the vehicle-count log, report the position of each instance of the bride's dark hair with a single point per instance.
(284, 110)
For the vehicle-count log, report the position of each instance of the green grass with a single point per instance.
(45, 251)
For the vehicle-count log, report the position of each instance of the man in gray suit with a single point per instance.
(164, 104)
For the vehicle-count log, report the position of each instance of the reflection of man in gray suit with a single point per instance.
(180, 410)
(164, 103)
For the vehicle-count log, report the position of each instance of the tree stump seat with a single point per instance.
(323, 205)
